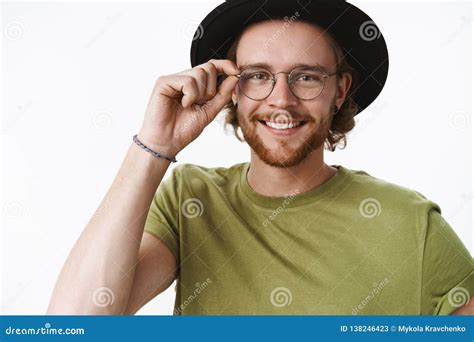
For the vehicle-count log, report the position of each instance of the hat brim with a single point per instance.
(362, 42)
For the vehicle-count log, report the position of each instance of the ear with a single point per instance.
(234, 95)
(343, 86)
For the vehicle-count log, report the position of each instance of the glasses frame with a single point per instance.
(325, 75)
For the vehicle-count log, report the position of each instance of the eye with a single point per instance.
(258, 76)
(305, 78)
(308, 77)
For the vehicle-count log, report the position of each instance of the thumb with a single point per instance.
(223, 96)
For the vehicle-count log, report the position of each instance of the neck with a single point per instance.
(280, 181)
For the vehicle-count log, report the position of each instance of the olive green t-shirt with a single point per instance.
(354, 245)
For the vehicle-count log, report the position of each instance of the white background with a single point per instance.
(76, 79)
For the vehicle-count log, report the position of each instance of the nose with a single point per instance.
(281, 95)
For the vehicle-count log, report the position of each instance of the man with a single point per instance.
(285, 233)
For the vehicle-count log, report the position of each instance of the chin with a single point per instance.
(283, 157)
(282, 152)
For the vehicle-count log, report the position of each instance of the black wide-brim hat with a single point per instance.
(361, 40)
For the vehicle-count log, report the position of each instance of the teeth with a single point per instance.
(282, 125)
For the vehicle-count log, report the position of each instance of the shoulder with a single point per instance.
(190, 176)
(189, 169)
(394, 196)
(390, 205)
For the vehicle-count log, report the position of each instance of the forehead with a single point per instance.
(282, 44)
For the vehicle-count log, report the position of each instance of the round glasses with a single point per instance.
(305, 83)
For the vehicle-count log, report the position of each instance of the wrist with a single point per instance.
(166, 150)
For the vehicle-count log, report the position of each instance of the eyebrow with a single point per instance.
(292, 66)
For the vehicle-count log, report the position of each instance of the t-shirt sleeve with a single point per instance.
(162, 217)
(447, 277)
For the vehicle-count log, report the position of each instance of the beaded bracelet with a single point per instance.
(154, 153)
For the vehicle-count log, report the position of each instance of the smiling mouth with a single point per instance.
(282, 125)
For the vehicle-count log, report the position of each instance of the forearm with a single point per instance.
(102, 263)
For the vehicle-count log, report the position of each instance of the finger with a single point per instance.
(223, 96)
(180, 85)
(213, 68)
(201, 75)
(225, 66)
(211, 86)
(191, 92)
